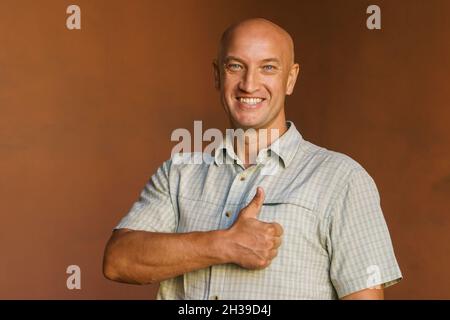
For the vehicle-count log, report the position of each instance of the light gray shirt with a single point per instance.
(335, 242)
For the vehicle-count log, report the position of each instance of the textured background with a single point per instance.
(86, 117)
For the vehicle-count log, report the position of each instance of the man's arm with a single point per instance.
(366, 294)
(142, 257)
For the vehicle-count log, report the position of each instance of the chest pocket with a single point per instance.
(287, 208)
(301, 264)
(293, 200)
(300, 222)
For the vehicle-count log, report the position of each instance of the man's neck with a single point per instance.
(256, 140)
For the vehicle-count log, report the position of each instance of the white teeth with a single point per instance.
(250, 101)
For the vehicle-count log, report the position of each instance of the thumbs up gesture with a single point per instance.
(252, 243)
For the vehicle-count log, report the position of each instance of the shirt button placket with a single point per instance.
(218, 272)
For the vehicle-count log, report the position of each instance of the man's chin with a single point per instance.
(247, 123)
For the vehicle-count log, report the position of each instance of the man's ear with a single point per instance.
(216, 74)
(292, 78)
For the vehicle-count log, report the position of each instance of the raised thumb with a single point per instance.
(254, 207)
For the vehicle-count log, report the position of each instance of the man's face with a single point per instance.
(254, 74)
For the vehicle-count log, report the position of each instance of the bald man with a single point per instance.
(311, 229)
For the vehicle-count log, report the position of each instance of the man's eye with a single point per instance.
(234, 66)
(269, 68)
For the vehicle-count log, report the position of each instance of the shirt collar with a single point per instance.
(285, 147)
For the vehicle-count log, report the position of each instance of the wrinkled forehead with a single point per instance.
(257, 42)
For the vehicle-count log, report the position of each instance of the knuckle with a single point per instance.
(269, 243)
(279, 241)
(271, 229)
(279, 228)
(265, 263)
(274, 253)
(261, 263)
(275, 243)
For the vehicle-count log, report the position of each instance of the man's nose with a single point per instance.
(249, 81)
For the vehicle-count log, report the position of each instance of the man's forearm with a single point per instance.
(145, 257)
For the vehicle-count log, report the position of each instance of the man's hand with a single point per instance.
(254, 243)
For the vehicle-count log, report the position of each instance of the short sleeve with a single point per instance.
(153, 211)
(360, 247)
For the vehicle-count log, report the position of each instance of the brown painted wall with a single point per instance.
(86, 117)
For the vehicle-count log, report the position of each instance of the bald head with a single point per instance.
(254, 71)
(258, 28)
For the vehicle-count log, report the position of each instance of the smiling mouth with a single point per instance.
(250, 103)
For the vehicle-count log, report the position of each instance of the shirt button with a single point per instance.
(228, 214)
(242, 178)
(215, 297)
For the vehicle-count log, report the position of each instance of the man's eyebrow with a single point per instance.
(228, 58)
(271, 60)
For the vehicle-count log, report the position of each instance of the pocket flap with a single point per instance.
(290, 199)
